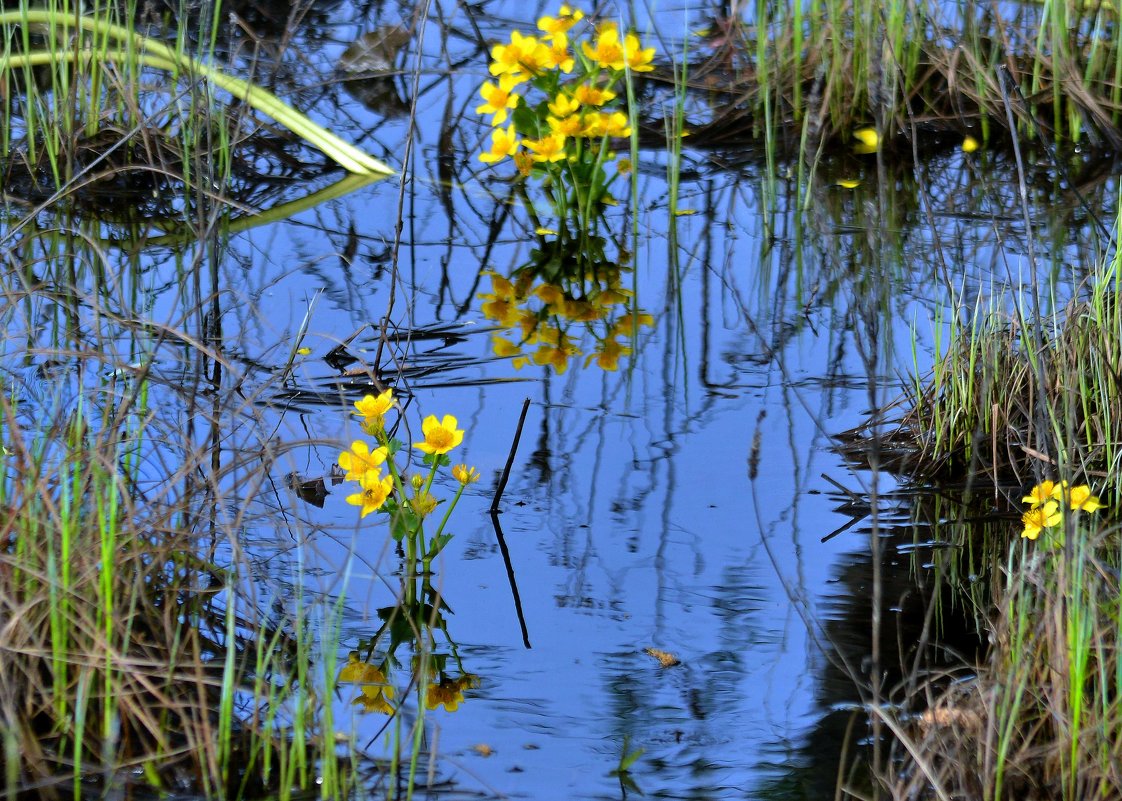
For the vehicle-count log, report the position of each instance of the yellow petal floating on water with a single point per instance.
(848, 183)
(970, 144)
(303, 351)
(545, 232)
(684, 212)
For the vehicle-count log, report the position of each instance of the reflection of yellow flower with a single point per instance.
(1040, 518)
(556, 357)
(359, 459)
(1042, 493)
(625, 325)
(441, 436)
(566, 18)
(607, 357)
(550, 294)
(376, 698)
(375, 491)
(547, 149)
(464, 474)
(587, 95)
(500, 99)
(1082, 499)
(608, 52)
(446, 693)
(503, 144)
(375, 692)
(374, 409)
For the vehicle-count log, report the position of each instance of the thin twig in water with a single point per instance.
(510, 458)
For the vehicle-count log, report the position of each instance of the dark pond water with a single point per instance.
(689, 502)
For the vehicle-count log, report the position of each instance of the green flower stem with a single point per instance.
(448, 512)
(156, 54)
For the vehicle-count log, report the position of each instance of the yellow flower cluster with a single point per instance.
(537, 312)
(575, 109)
(364, 465)
(1046, 501)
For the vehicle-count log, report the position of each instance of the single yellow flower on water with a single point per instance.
(441, 436)
(359, 459)
(500, 99)
(1040, 518)
(547, 149)
(638, 59)
(566, 18)
(503, 144)
(1081, 499)
(970, 144)
(375, 490)
(464, 474)
(587, 95)
(608, 52)
(1042, 493)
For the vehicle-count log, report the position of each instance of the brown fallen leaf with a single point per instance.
(483, 749)
(665, 659)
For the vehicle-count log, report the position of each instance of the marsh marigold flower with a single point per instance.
(608, 51)
(360, 459)
(638, 59)
(547, 149)
(441, 436)
(375, 490)
(500, 99)
(374, 409)
(587, 95)
(1081, 499)
(503, 144)
(557, 55)
(1040, 518)
(566, 18)
(447, 693)
(1042, 493)
(523, 54)
(464, 474)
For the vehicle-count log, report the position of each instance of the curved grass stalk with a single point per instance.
(156, 54)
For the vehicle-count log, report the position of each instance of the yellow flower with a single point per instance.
(523, 54)
(555, 356)
(563, 105)
(503, 144)
(375, 491)
(375, 692)
(638, 59)
(441, 436)
(970, 144)
(1040, 518)
(551, 295)
(566, 18)
(613, 124)
(623, 166)
(557, 55)
(548, 149)
(1081, 499)
(623, 325)
(587, 95)
(374, 410)
(499, 98)
(608, 52)
(464, 474)
(1042, 493)
(359, 672)
(359, 459)
(566, 126)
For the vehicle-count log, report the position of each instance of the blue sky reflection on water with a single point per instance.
(630, 516)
